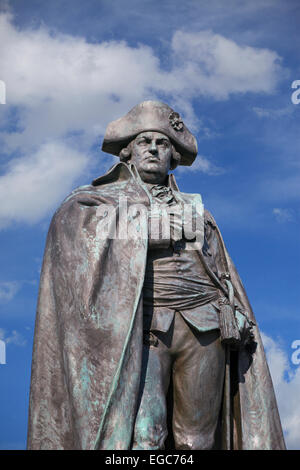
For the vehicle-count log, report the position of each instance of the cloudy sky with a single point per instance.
(70, 67)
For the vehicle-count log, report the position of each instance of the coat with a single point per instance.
(87, 350)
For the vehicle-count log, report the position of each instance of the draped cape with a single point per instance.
(87, 352)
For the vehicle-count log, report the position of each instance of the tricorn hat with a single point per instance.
(151, 116)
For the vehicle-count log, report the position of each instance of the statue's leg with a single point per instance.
(198, 376)
(150, 429)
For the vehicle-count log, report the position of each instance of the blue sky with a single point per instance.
(70, 67)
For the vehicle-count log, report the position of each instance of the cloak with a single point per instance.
(87, 350)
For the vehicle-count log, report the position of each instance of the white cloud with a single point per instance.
(283, 215)
(287, 388)
(203, 165)
(15, 338)
(217, 66)
(34, 184)
(65, 90)
(284, 188)
(8, 290)
(273, 113)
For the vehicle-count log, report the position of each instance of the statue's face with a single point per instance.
(151, 152)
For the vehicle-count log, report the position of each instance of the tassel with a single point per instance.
(228, 327)
(229, 330)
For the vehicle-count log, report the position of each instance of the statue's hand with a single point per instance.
(245, 326)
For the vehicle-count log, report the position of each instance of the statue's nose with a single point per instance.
(153, 147)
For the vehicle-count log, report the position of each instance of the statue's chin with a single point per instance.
(152, 177)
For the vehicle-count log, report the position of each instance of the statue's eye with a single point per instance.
(144, 141)
(163, 143)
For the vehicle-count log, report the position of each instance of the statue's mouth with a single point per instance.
(152, 159)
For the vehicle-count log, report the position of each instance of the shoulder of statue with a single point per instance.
(86, 193)
(209, 219)
(188, 197)
(86, 190)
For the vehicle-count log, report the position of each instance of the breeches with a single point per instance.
(196, 361)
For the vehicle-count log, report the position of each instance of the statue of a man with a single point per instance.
(144, 337)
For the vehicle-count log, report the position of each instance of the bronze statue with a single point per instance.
(144, 337)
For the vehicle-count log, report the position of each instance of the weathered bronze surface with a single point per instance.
(145, 340)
